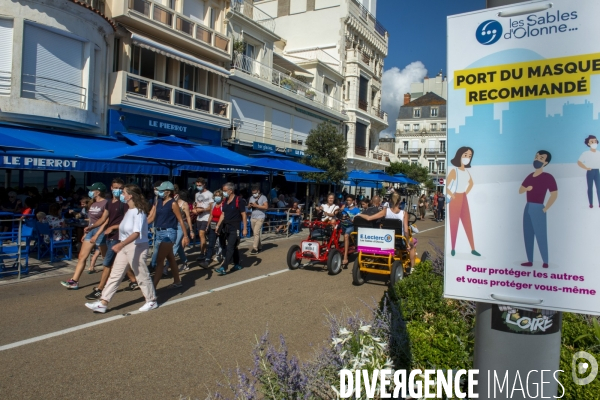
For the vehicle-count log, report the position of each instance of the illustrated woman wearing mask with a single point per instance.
(459, 184)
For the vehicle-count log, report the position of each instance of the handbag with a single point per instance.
(452, 187)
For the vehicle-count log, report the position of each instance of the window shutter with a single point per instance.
(6, 40)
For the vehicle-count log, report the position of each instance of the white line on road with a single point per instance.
(117, 317)
(430, 229)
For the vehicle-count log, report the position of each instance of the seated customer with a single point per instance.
(55, 220)
(293, 211)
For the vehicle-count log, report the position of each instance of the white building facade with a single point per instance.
(437, 85)
(345, 54)
(421, 134)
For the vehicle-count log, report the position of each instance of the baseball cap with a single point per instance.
(98, 186)
(166, 185)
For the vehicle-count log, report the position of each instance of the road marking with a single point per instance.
(430, 229)
(117, 317)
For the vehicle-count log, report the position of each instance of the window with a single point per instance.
(249, 51)
(441, 166)
(431, 166)
(142, 62)
(431, 145)
(442, 146)
(326, 88)
(434, 112)
(211, 18)
(116, 52)
(443, 125)
(415, 162)
(6, 40)
(416, 127)
(348, 91)
(53, 67)
(417, 113)
(406, 127)
(405, 145)
(434, 127)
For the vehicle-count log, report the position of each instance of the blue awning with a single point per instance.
(64, 149)
(291, 177)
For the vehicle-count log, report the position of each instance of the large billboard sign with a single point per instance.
(523, 182)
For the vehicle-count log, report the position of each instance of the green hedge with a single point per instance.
(439, 332)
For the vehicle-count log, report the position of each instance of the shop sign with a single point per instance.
(45, 163)
(294, 152)
(263, 146)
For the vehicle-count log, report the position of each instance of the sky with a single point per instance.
(417, 44)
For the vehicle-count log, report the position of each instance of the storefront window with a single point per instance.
(31, 178)
(55, 179)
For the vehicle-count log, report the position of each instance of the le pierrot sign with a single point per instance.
(21, 162)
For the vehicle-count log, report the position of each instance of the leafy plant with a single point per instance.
(412, 171)
(239, 46)
(326, 149)
(290, 83)
(309, 93)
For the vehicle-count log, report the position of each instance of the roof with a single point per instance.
(429, 99)
(97, 11)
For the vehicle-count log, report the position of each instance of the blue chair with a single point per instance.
(294, 224)
(11, 252)
(58, 250)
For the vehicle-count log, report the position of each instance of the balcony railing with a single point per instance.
(53, 90)
(163, 93)
(95, 4)
(366, 15)
(252, 132)
(437, 171)
(409, 151)
(313, 54)
(258, 70)
(5, 82)
(435, 150)
(363, 105)
(379, 113)
(381, 157)
(180, 23)
(250, 11)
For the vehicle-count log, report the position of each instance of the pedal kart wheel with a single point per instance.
(397, 273)
(358, 277)
(334, 262)
(293, 261)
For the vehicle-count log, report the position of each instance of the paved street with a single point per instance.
(178, 349)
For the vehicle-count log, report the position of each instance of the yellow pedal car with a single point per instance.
(382, 251)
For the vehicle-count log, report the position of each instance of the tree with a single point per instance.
(326, 149)
(413, 171)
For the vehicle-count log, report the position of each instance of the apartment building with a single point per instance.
(421, 133)
(275, 101)
(437, 85)
(343, 45)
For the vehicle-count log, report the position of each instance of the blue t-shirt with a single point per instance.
(349, 214)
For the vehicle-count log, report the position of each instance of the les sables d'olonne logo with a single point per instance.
(541, 24)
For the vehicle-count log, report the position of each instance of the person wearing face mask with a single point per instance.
(459, 184)
(131, 250)
(166, 215)
(534, 217)
(184, 208)
(258, 203)
(348, 213)
(202, 207)
(98, 216)
(151, 216)
(215, 215)
(590, 161)
(233, 212)
(116, 210)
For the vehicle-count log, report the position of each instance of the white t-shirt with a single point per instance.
(134, 221)
(204, 200)
(590, 159)
(261, 200)
(389, 214)
(329, 209)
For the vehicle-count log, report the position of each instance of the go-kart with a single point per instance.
(382, 251)
(321, 247)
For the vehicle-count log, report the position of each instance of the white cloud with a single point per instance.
(395, 84)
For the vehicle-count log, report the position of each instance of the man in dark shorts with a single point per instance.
(116, 211)
(441, 204)
(234, 213)
(534, 217)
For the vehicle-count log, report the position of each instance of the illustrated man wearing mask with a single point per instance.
(534, 217)
(590, 161)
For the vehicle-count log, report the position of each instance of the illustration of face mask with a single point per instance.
(537, 164)
(465, 161)
(593, 145)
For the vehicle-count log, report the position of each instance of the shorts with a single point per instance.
(110, 256)
(348, 229)
(168, 235)
(100, 241)
(202, 225)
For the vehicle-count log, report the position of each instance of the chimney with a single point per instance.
(406, 98)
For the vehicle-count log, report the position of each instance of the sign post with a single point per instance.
(524, 88)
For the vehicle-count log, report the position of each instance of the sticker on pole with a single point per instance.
(523, 166)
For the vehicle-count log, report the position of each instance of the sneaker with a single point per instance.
(151, 305)
(253, 252)
(184, 267)
(204, 264)
(132, 286)
(96, 307)
(95, 295)
(175, 285)
(237, 268)
(70, 284)
(221, 271)
(201, 257)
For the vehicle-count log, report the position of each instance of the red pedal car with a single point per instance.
(322, 247)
